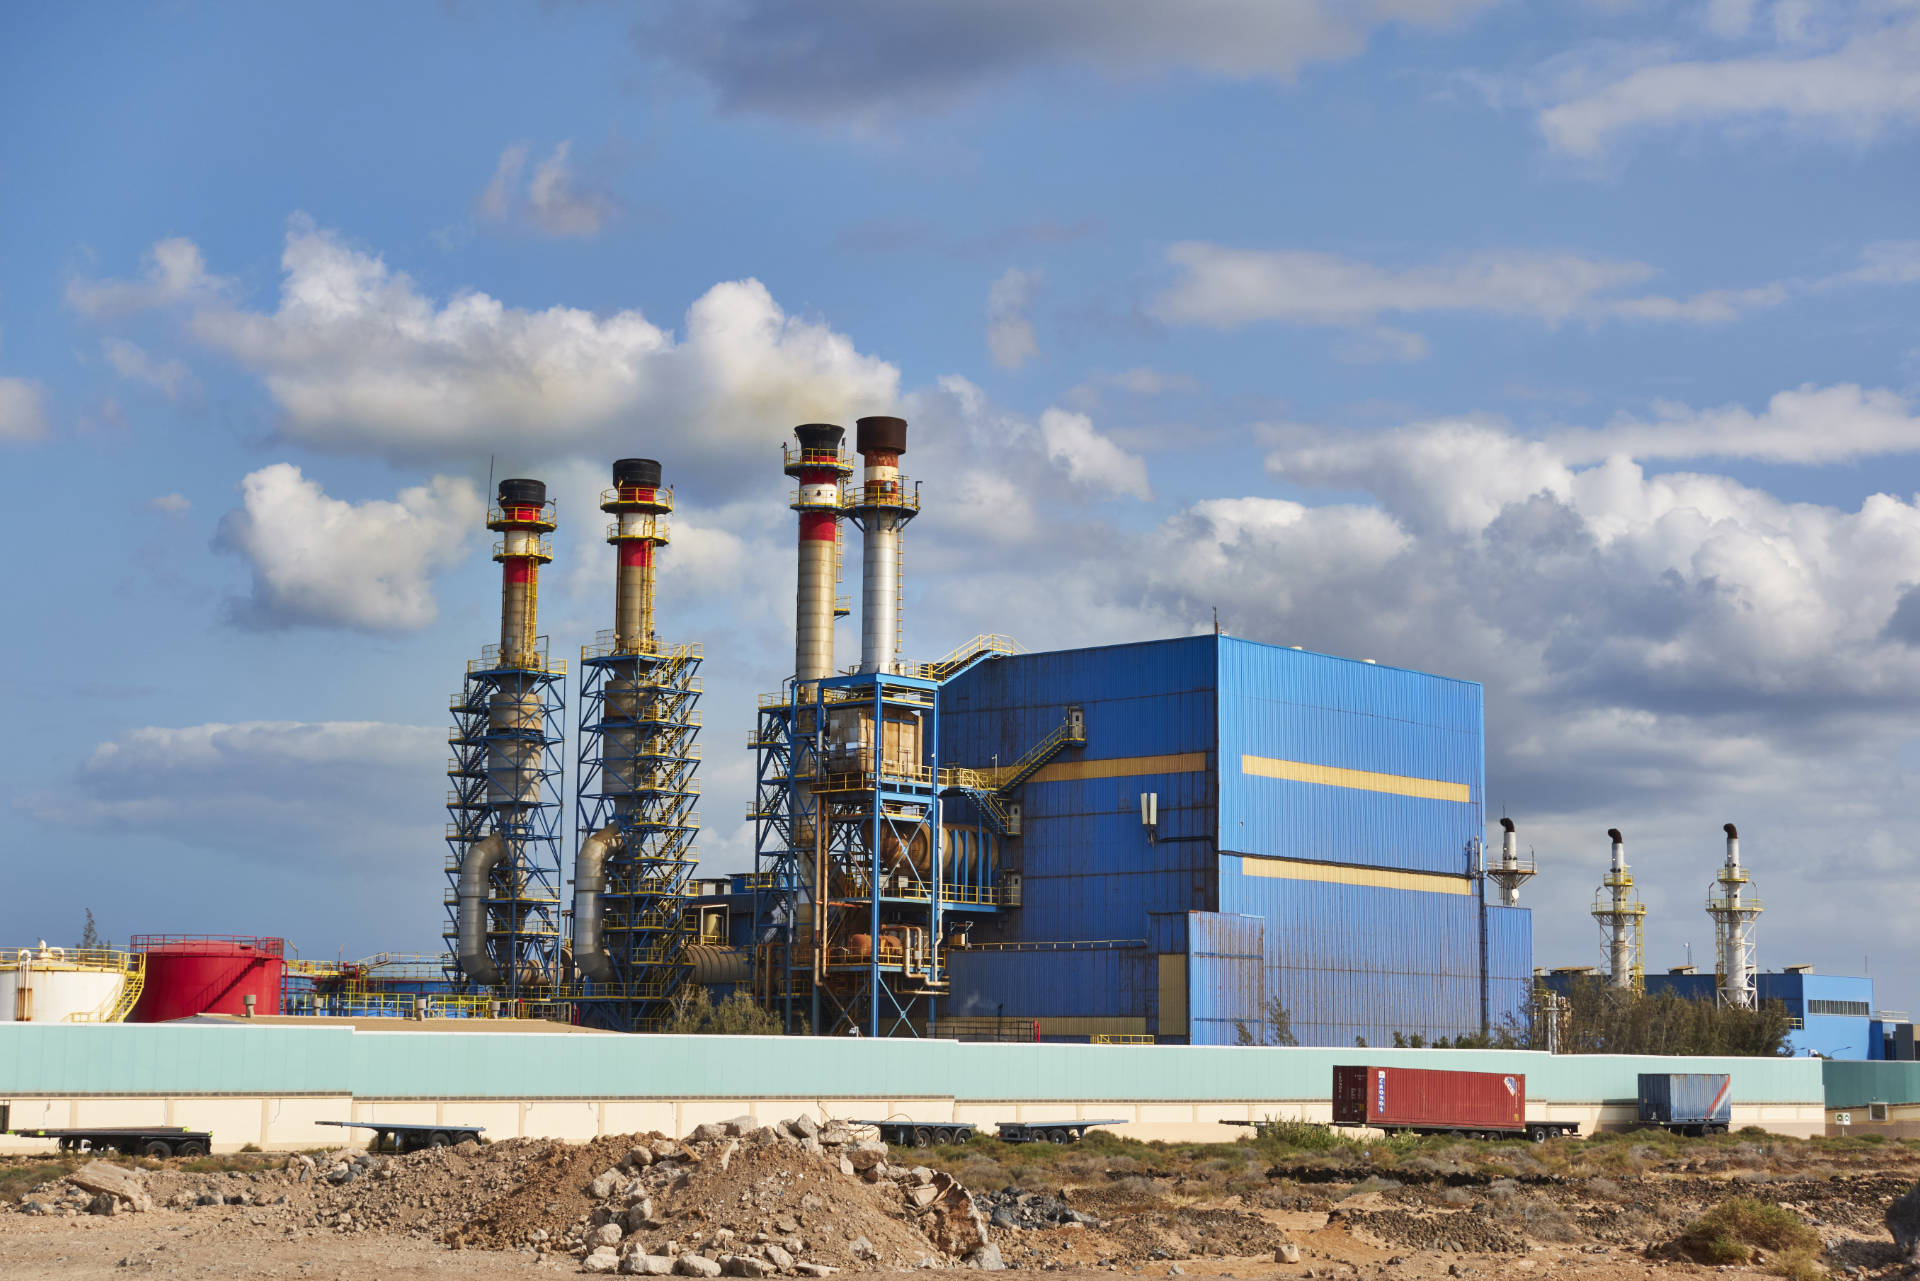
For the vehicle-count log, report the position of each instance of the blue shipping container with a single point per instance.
(1700, 1102)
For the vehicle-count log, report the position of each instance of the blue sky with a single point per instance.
(1566, 348)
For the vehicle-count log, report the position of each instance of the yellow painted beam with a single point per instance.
(1431, 789)
(1122, 767)
(1289, 869)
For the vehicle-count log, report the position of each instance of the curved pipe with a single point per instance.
(475, 870)
(589, 879)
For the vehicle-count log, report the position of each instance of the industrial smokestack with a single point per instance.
(636, 502)
(521, 519)
(1509, 863)
(882, 508)
(818, 466)
(1620, 917)
(1734, 913)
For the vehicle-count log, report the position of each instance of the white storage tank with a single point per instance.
(62, 985)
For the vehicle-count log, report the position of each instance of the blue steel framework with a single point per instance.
(506, 775)
(638, 773)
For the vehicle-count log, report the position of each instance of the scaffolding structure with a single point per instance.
(504, 804)
(638, 772)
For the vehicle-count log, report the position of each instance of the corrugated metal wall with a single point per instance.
(1293, 706)
(1361, 961)
(1088, 869)
(1226, 978)
(1107, 982)
(1509, 964)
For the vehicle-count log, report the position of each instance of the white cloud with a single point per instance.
(320, 561)
(1730, 19)
(1090, 459)
(1806, 425)
(1226, 287)
(553, 202)
(345, 791)
(171, 504)
(174, 273)
(23, 409)
(129, 360)
(867, 60)
(1010, 339)
(1868, 83)
(359, 359)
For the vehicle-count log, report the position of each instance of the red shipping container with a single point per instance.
(1429, 1099)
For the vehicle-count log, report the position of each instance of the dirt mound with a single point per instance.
(546, 1191)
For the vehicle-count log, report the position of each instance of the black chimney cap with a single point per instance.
(1731, 830)
(1507, 823)
(817, 436)
(881, 433)
(636, 473)
(523, 493)
(1614, 832)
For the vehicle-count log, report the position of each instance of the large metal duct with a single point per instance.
(476, 870)
(882, 510)
(589, 883)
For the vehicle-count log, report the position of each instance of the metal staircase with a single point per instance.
(991, 790)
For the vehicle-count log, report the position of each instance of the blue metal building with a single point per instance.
(1248, 829)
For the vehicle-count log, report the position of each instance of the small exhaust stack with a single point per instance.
(636, 502)
(1510, 873)
(1621, 917)
(881, 508)
(1734, 912)
(521, 519)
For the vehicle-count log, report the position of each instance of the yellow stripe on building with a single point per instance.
(1287, 869)
(1431, 789)
(1122, 767)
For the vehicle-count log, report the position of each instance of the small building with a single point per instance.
(1248, 830)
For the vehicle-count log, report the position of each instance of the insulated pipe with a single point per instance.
(471, 920)
(589, 882)
(1509, 862)
(881, 510)
(818, 469)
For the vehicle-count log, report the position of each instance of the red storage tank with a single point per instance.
(1429, 1099)
(207, 974)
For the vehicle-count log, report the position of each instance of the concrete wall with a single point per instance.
(269, 1085)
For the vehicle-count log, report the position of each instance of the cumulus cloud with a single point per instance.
(173, 272)
(1010, 339)
(1090, 459)
(1853, 85)
(346, 791)
(169, 377)
(1806, 425)
(23, 409)
(359, 359)
(553, 201)
(324, 562)
(864, 60)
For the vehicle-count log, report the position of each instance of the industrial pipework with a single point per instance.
(1733, 914)
(505, 892)
(1621, 917)
(1510, 873)
(881, 507)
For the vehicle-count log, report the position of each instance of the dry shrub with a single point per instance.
(1539, 1218)
(1734, 1230)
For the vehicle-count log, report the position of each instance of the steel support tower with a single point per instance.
(637, 782)
(1734, 910)
(1622, 917)
(503, 867)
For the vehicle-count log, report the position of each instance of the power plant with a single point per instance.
(1201, 840)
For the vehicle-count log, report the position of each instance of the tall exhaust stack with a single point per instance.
(1621, 917)
(1510, 873)
(819, 466)
(1734, 912)
(881, 507)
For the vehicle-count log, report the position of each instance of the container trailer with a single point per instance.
(1480, 1105)
(1687, 1102)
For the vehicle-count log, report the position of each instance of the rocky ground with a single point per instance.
(811, 1199)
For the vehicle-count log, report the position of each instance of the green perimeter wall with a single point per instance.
(279, 1061)
(1854, 1085)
